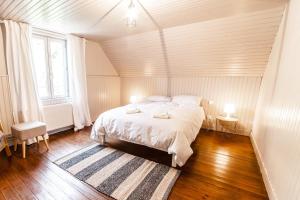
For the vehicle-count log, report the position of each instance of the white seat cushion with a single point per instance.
(28, 130)
(28, 125)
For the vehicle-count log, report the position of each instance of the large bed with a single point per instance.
(173, 135)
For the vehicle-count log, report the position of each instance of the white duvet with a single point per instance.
(173, 135)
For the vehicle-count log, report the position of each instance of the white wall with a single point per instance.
(276, 131)
(97, 62)
(142, 86)
(103, 82)
(58, 116)
(242, 91)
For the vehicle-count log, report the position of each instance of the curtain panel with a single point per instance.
(78, 82)
(26, 105)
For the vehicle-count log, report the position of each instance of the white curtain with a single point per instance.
(78, 83)
(23, 89)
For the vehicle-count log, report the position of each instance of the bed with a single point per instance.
(173, 135)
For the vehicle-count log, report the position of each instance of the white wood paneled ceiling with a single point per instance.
(80, 16)
(233, 46)
(172, 37)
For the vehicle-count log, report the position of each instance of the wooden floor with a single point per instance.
(223, 166)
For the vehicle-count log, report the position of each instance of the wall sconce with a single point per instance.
(229, 109)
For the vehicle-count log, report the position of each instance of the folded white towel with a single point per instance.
(164, 115)
(133, 111)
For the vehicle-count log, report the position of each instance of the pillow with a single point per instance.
(187, 100)
(159, 98)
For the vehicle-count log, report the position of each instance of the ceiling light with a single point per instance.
(131, 14)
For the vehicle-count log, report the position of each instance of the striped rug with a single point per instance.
(120, 175)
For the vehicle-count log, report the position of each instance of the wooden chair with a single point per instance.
(3, 141)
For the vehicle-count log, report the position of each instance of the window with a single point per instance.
(51, 70)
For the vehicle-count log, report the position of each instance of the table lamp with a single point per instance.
(229, 109)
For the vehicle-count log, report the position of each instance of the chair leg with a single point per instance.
(15, 144)
(46, 142)
(24, 149)
(7, 150)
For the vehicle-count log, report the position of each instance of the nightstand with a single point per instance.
(229, 123)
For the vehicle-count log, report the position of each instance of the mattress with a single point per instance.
(173, 135)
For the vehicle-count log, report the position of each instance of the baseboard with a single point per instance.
(61, 129)
(263, 170)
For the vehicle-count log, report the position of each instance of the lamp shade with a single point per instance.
(229, 108)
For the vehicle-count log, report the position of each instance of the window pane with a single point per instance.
(40, 66)
(59, 68)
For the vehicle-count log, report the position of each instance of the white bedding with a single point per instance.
(173, 135)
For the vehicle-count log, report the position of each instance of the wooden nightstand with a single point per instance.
(229, 123)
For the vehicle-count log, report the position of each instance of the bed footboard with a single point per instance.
(101, 141)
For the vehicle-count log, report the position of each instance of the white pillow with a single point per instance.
(187, 100)
(159, 98)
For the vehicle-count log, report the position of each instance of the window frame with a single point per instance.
(52, 99)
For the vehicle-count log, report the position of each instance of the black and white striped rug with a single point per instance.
(120, 175)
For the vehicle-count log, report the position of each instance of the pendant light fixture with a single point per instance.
(131, 14)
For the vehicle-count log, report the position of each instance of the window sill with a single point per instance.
(50, 102)
(57, 105)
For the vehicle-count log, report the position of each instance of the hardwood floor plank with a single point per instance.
(19, 186)
(34, 170)
(223, 166)
(53, 179)
(8, 192)
(79, 185)
(37, 189)
(1, 196)
(228, 174)
(196, 187)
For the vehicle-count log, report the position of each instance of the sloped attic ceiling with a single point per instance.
(81, 16)
(237, 46)
(214, 37)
